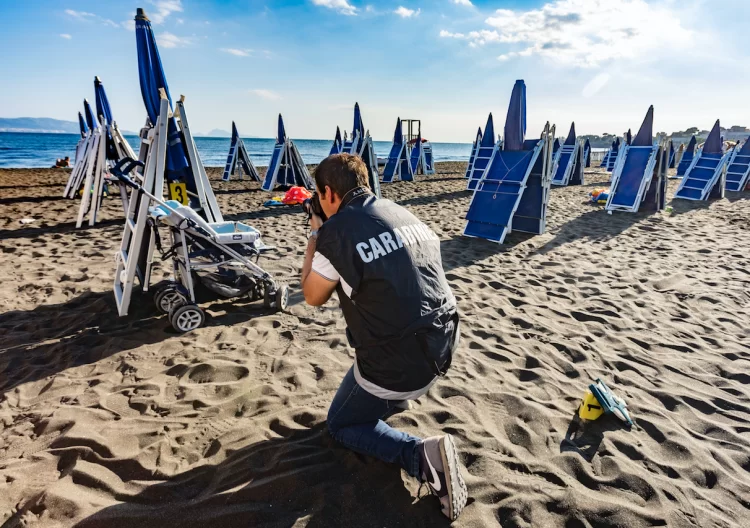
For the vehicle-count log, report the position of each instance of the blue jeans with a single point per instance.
(355, 419)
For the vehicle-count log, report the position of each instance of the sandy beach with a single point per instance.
(121, 422)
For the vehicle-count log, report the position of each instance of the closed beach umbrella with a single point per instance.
(102, 103)
(281, 132)
(515, 122)
(93, 123)
(82, 125)
(152, 79)
(358, 125)
(571, 140)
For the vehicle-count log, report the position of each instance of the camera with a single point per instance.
(312, 206)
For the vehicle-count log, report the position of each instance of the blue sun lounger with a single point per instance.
(286, 168)
(421, 157)
(514, 190)
(484, 153)
(238, 160)
(568, 167)
(672, 155)
(474, 148)
(704, 179)
(398, 167)
(738, 168)
(687, 158)
(605, 160)
(616, 152)
(639, 177)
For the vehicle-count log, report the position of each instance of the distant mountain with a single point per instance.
(218, 133)
(43, 125)
(38, 124)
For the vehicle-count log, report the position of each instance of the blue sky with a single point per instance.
(447, 62)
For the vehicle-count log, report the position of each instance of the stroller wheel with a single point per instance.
(169, 297)
(282, 297)
(186, 318)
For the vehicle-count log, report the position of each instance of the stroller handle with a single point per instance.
(124, 167)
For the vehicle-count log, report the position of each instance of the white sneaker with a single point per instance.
(441, 471)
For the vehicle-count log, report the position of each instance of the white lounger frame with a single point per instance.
(745, 177)
(645, 182)
(154, 156)
(573, 150)
(719, 173)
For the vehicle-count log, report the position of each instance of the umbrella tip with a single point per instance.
(97, 79)
(140, 14)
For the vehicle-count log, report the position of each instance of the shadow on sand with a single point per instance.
(53, 338)
(302, 478)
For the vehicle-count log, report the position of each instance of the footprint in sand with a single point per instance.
(215, 373)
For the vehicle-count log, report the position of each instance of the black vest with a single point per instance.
(401, 316)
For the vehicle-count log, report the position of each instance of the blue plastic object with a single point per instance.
(611, 403)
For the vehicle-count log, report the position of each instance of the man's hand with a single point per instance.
(315, 222)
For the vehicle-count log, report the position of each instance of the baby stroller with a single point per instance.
(217, 256)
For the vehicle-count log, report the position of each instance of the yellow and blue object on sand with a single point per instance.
(598, 400)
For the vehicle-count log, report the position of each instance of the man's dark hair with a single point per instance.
(342, 173)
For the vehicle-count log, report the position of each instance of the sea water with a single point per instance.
(42, 150)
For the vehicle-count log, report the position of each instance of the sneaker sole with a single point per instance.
(457, 492)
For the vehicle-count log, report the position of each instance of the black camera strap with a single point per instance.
(353, 194)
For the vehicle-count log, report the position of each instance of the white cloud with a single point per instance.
(65, 36)
(244, 52)
(80, 15)
(448, 34)
(129, 25)
(583, 32)
(595, 85)
(169, 40)
(266, 94)
(342, 6)
(405, 12)
(90, 17)
(164, 8)
(466, 3)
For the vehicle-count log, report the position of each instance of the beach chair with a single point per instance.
(567, 168)
(738, 168)
(398, 166)
(286, 168)
(513, 193)
(704, 178)
(486, 149)
(102, 149)
(361, 145)
(639, 177)
(605, 160)
(672, 155)
(428, 158)
(337, 144)
(417, 158)
(587, 154)
(472, 155)
(687, 157)
(612, 160)
(420, 157)
(238, 160)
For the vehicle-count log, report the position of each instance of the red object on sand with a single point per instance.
(296, 195)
